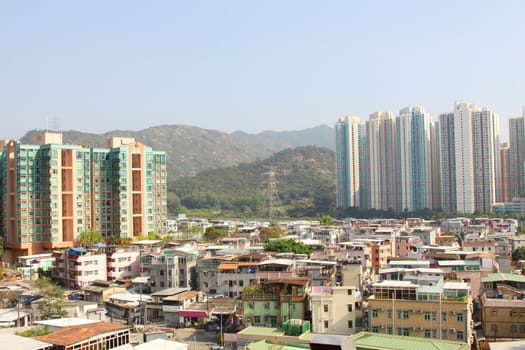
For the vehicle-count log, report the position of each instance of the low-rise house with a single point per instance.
(77, 267)
(155, 310)
(98, 335)
(335, 310)
(171, 305)
(123, 264)
(233, 276)
(99, 291)
(276, 301)
(73, 308)
(320, 272)
(14, 317)
(170, 268)
(502, 304)
(11, 341)
(443, 311)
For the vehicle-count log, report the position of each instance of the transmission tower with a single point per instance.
(272, 203)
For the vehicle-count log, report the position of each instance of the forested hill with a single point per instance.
(190, 150)
(304, 179)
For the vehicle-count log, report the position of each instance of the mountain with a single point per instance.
(302, 179)
(190, 149)
(322, 136)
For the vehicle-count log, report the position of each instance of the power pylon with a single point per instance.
(272, 203)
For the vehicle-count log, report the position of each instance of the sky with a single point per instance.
(97, 66)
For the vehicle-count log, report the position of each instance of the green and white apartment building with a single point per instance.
(51, 192)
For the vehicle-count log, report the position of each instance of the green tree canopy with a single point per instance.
(518, 254)
(212, 234)
(89, 238)
(287, 246)
(53, 299)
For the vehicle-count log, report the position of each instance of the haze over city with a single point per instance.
(234, 65)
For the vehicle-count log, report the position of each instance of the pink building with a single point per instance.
(123, 264)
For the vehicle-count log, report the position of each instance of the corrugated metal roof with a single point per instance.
(75, 334)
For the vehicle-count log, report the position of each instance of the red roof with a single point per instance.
(74, 334)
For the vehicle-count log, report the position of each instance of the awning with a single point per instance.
(192, 313)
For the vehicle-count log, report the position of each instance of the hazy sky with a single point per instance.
(96, 66)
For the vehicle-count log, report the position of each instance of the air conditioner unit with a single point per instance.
(382, 327)
(381, 309)
(414, 328)
(413, 310)
(420, 328)
(453, 312)
(420, 311)
(453, 330)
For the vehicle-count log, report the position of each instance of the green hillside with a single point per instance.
(304, 182)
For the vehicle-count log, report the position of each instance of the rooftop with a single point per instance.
(11, 341)
(499, 276)
(74, 334)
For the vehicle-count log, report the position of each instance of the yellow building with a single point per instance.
(442, 311)
(502, 306)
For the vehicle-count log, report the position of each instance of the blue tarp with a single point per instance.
(76, 251)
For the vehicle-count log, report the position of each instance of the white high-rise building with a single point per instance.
(463, 144)
(486, 159)
(477, 158)
(381, 137)
(347, 162)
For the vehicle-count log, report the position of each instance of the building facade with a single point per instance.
(51, 192)
(414, 159)
(347, 162)
(382, 171)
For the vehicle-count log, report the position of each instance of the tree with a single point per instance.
(212, 234)
(53, 299)
(89, 238)
(267, 233)
(288, 246)
(118, 241)
(518, 254)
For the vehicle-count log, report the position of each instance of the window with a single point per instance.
(349, 307)
(325, 324)
(513, 328)
(389, 330)
(325, 306)
(460, 335)
(349, 292)
(374, 313)
(443, 316)
(403, 315)
(257, 319)
(428, 334)
(460, 317)
(350, 324)
(427, 316)
(375, 329)
(389, 313)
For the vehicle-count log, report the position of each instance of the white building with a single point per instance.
(335, 310)
(463, 143)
